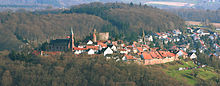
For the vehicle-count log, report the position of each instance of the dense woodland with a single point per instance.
(124, 21)
(197, 15)
(68, 70)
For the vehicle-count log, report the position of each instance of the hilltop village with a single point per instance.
(155, 48)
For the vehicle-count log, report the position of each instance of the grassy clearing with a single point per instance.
(188, 76)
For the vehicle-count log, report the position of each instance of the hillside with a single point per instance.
(20, 28)
(131, 18)
(68, 70)
(197, 15)
(122, 21)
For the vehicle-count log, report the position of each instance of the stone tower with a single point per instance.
(94, 36)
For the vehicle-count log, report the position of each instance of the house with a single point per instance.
(91, 52)
(115, 43)
(93, 47)
(203, 33)
(78, 50)
(155, 55)
(150, 38)
(146, 56)
(62, 44)
(140, 49)
(129, 58)
(181, 53)
(176, 32)
(163, 54)
(123, 51)
(189, 30)
(169, 54)
(108, 51)
(114, 48)
(89, 42)
(135, 50)
(192, 56)
(102, 45)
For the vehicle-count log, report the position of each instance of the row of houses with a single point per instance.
(119, 50)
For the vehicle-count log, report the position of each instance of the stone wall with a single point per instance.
(158, 61)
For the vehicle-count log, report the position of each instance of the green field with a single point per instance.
(192, 76)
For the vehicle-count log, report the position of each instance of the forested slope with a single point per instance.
(26, 27)
(68, 70)
(197, 14)
(124, 21)
(130, 18)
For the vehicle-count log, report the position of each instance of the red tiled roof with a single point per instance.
(158, 55)
(76, 48)
(140, 49)
(158, 34)
(139, 53)
(130, 57)
(122, 49)
(92, 47)
(170, 54)
(129, 46)
(146, 55)
(153, 54)
(102, 44)
(163, 53)
(184, 53)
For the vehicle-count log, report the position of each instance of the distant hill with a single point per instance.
(123, 21)
(42, 4)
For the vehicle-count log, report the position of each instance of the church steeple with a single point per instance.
(94, 36)
(71, 39)
(143, 36)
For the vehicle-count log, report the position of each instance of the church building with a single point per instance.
(62, 44)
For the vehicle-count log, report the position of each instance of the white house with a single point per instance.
(91, 52)
(108, 51)
(193, 56)
(150, 38)
(203, 33)
(114, 48)
(89, 42)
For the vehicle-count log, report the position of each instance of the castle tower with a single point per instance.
(71, 39)
(94, 36)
